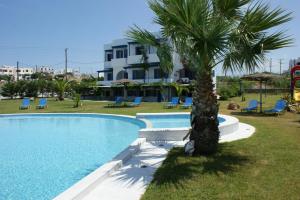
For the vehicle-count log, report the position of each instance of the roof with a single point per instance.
(105, 70)
(263, 76)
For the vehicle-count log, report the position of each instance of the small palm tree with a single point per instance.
(234, 33)
(144, 62)
(61, 86)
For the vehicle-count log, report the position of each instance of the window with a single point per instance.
(109, 76)
(125, 53)
(119, 54)
(108, 57)
(139, 50)
(138, 74)
(152, 50)
(157, 73)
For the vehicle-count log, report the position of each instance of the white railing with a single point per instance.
(136, 59)
(119, 62)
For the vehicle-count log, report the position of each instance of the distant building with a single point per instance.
(45, 69)
(76, 73)
(293, 62)
(24, 73)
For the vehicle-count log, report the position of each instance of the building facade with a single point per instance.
(45, 69)
(23, 73)
(123, 60)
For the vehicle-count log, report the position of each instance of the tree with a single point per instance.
(21, 87)
(32, 89)
(42, 86)
(61, 86)
(9, 90)
(235, 33)
(6, 78)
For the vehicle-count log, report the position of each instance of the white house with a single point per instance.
(123, 58)
(23, 72)
(45, 69)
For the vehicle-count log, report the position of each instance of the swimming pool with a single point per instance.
(175, 126)
(44, 154)
(171, 121)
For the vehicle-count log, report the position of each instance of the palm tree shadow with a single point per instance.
(142, 166)
(178, 166)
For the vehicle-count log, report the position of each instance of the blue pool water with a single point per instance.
(171, 121)
(43, 155)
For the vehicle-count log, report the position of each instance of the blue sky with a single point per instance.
(35, 32)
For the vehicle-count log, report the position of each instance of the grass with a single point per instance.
(12, 106)
(265, 166)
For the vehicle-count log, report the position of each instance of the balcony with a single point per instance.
(150, 80)
(107, 64)
(119, 62)
(136, 59)
(104, 83)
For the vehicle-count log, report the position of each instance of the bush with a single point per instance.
(228, 92)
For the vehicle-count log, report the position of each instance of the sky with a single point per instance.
(36, 32)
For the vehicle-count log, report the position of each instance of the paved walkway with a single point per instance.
(130, 181)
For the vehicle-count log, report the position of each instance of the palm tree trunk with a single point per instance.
(204, 116)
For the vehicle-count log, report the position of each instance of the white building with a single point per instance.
(22, 73)
(45, 69)
(293, 62)
(74, 71)
(123, 59)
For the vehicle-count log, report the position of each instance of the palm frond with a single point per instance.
(142, 36)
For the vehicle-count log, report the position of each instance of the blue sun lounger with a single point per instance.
(252, 106)
(279, 108)
(118, 102)
(173, 103)
(137, 101)
(42, 103)
(25, 104)
(187, 103)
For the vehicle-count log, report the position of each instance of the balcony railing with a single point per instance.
(150, 80)
(136, 59)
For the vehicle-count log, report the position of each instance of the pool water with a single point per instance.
(43, 155)
(171, 121)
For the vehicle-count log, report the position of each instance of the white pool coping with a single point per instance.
(103, 180)
(230, 125)
(80, 189)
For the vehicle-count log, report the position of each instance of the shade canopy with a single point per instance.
(261, 77)
(125, 83)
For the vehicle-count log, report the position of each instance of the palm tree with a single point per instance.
(61, 86)
(236, 34)
(144, 62)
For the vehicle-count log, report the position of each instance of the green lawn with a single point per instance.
(265, 166)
